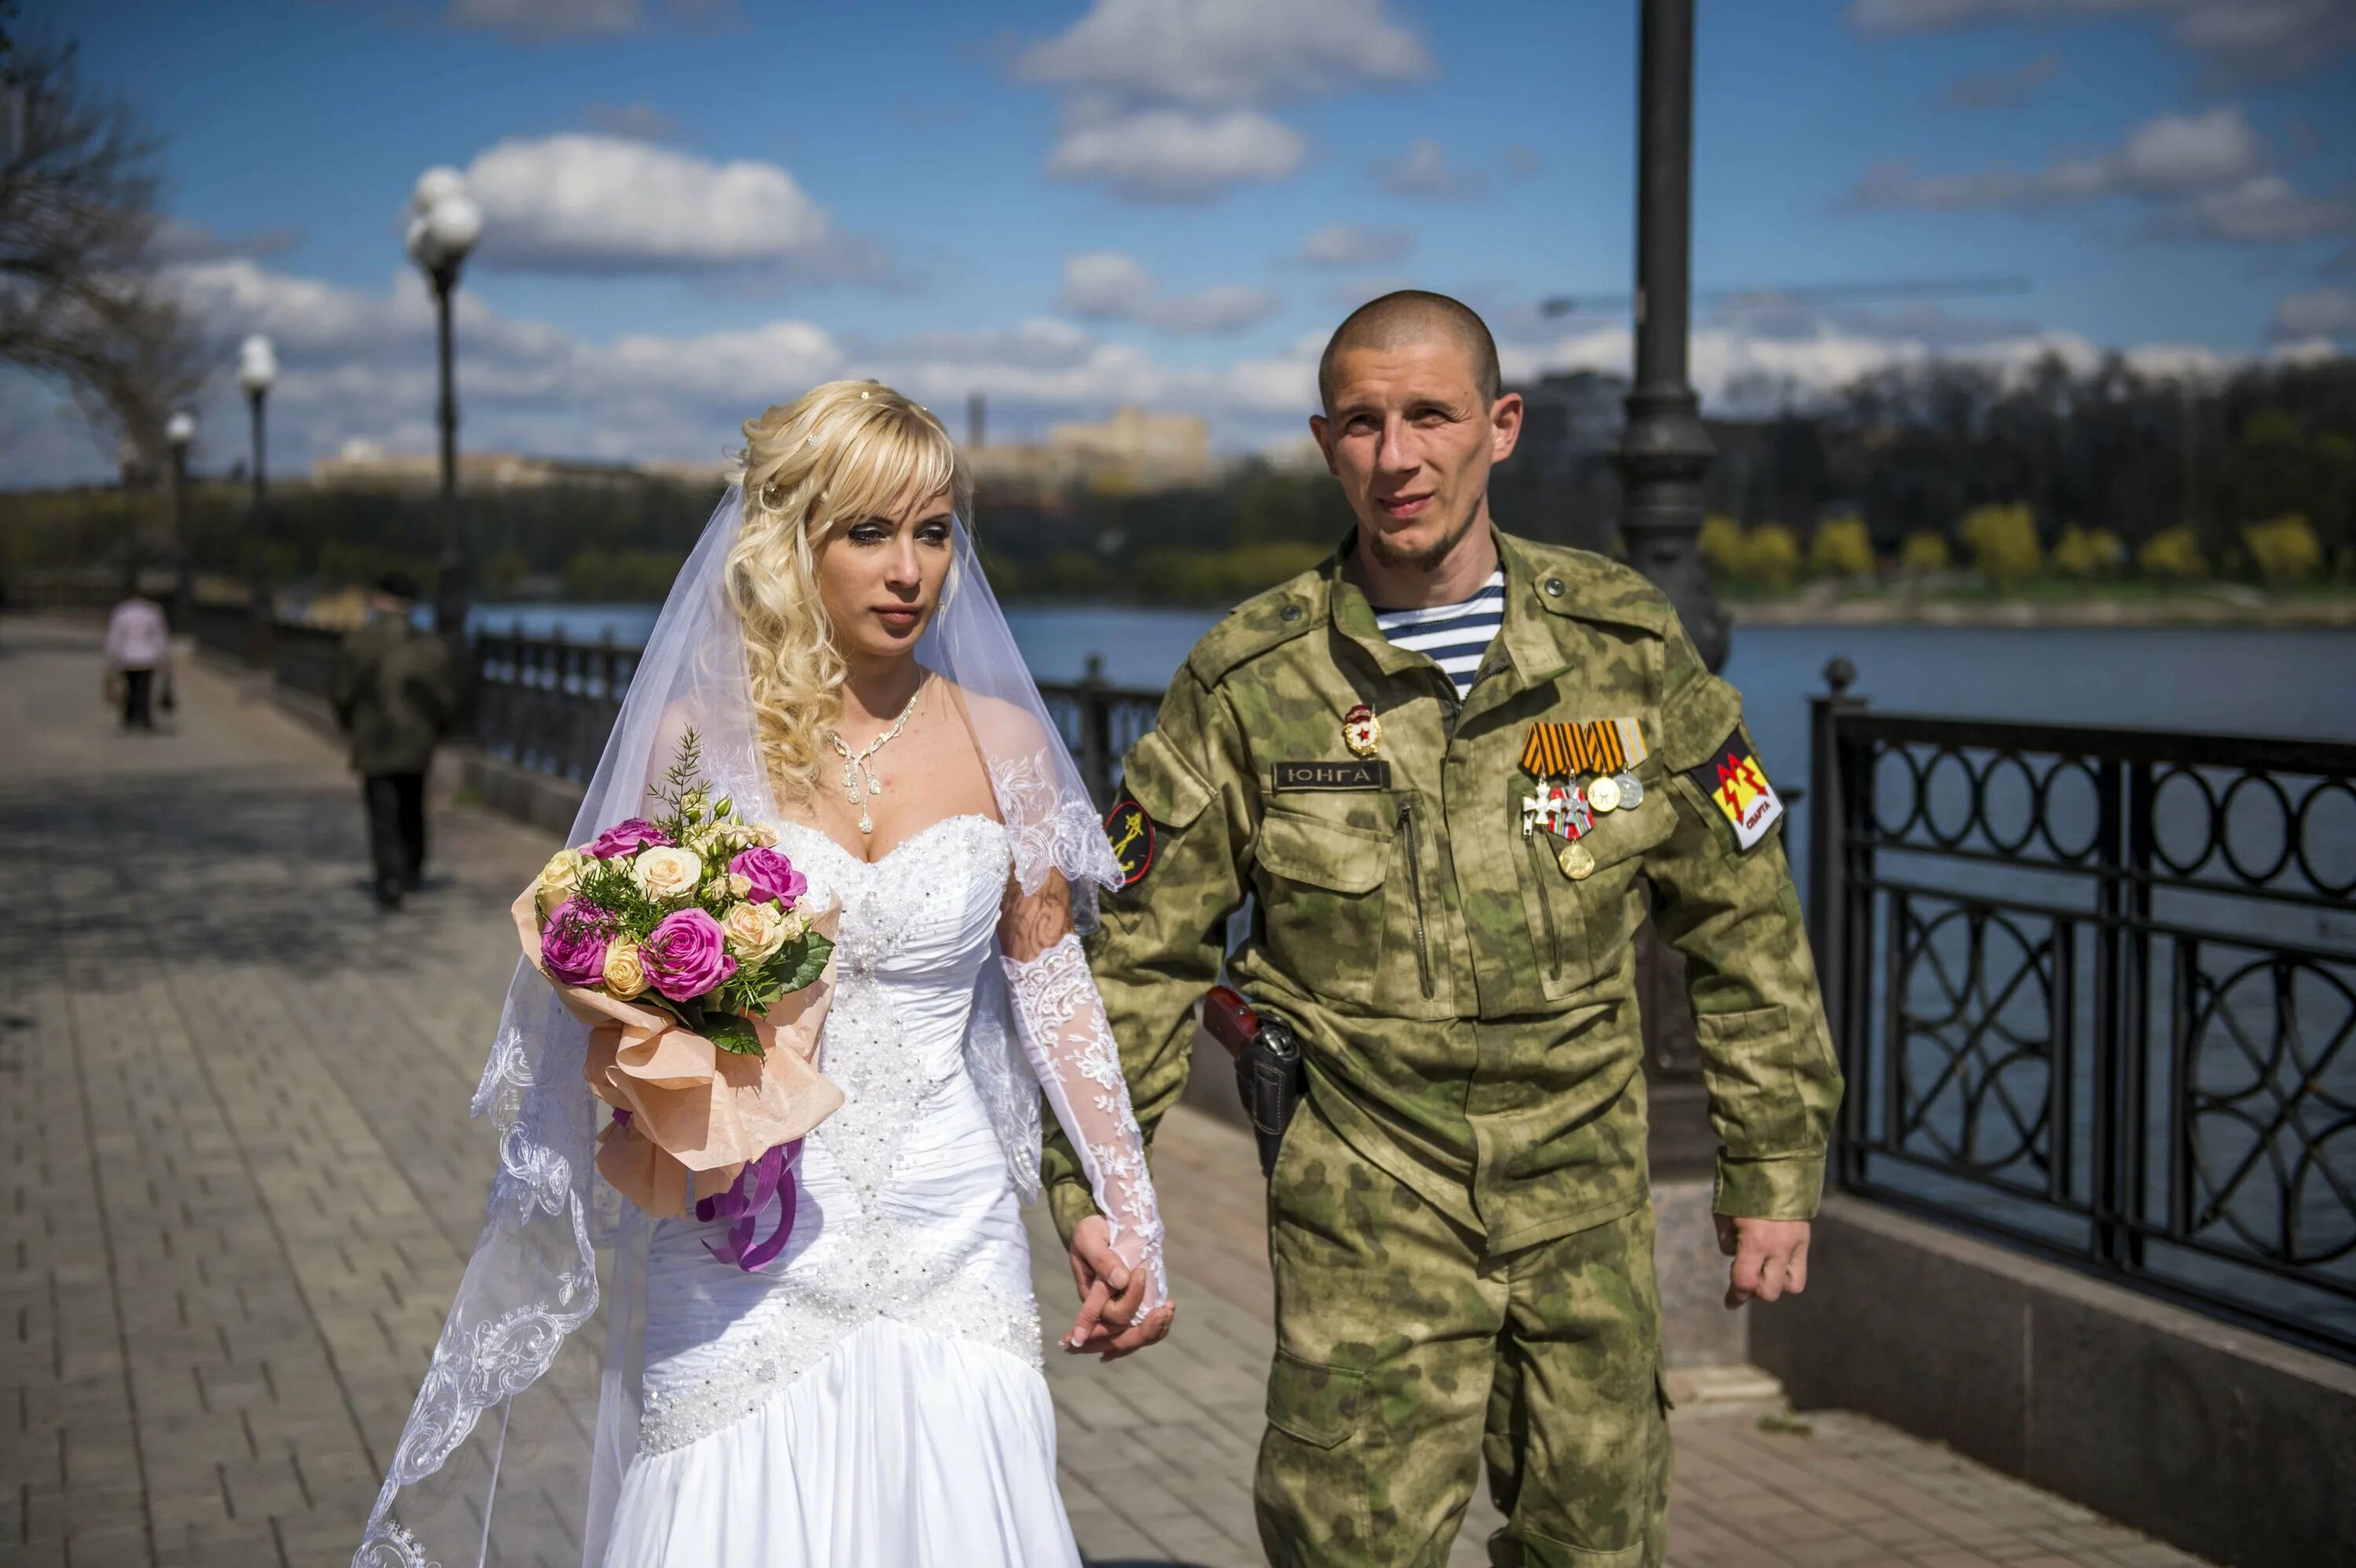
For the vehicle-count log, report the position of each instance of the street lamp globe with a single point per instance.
(435, 185)
(453, 225)
(257, 365)
(180, 429)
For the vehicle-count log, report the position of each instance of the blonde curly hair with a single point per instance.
(837, 456)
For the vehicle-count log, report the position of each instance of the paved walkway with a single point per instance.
(237, 1184)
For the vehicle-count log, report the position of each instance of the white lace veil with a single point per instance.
(508, 1458)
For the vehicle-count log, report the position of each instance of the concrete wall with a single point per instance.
(2230, 1444)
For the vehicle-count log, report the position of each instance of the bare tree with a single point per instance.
(82, 301)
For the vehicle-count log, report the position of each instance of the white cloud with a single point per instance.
(2168, 154)
(1227, 53)
(1424, 170)
(1998, 89)
(2320, 313)
(1174, 155)
(1111, 285)
(2261, 210)
(2205, 175)
(547, 18)
(1165, 99)
(2239, 39)
(585, 203)
(1355, 245)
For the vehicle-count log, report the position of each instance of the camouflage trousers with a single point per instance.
(1405, 1357)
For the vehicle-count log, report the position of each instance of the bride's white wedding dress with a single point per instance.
(873, 1396)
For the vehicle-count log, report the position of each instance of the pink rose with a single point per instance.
(627, 838)
(685, 955)
(772, 875)
(572, 943)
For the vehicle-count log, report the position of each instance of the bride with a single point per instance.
(873, 1396)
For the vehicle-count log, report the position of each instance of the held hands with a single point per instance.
(1111, 1292)
(1770, 1258)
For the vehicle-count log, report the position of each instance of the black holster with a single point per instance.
(1269, 1074)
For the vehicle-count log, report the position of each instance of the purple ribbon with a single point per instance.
(771, 1176)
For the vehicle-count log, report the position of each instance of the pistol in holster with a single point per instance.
(1269, 1074)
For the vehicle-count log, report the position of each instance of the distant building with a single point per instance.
(1133, 450)
(1560, 484)
(364, 465)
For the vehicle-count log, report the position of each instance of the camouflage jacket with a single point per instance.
(1466, 1006)
(393, 695)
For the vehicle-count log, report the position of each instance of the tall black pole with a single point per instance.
(1663, 451)
(184, 580)
(262, 606)
(450, 589)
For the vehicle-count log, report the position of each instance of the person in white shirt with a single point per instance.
(138, 647)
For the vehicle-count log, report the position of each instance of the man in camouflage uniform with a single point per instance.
(1458, 1220)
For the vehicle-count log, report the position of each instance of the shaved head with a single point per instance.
(1413, 316)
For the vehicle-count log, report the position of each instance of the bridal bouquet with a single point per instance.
(685, 944)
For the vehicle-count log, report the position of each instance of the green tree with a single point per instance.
(1923, 553)
(2086, 553)
(2173, 555)
(2003, 542)
(2285, 550)
(1841, 548)
(1722, 544)
(1771, 557)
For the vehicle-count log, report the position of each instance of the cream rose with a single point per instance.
(797, 924)
(665, 873)
(753, 931)
(740, 885)
(560, 878)
(625, 977)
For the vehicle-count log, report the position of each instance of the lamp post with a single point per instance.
(443, 225)
(257, 368)
(1664, 450)
(178, 432)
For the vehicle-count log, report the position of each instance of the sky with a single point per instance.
(696, 209)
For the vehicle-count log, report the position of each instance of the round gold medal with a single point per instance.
(1603, 794)
(1578, 861)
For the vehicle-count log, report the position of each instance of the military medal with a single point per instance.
(1632, 791)
(1578, 861)
(1361, 732)
(1603, 793)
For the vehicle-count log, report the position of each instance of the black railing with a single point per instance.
(546, 704)
(2094, 991)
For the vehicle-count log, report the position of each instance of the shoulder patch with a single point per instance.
(1734, 782)
(1130, 832)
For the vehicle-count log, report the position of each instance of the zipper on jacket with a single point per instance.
(1414, 888)
(1545, 903)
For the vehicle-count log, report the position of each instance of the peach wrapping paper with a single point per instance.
(697, 1113)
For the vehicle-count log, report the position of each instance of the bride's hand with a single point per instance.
(1110, 1294)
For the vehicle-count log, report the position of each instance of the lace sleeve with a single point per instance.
(1062, 1021)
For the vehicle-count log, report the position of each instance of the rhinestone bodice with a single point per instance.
(904, 1208)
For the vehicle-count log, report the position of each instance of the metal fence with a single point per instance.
(2094, 991)
(546, 704)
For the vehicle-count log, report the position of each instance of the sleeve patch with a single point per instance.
(1130, 831)
(1733, 781)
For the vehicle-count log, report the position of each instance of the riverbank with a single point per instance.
(2210, 607)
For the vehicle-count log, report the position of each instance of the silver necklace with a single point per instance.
(859, 780)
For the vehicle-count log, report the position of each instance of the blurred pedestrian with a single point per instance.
(138, 656)
(393, 697)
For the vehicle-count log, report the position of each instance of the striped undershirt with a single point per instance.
(1457, 636)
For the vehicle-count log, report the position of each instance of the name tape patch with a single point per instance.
(1131, 832)
(1733, 781)
(1333, 776)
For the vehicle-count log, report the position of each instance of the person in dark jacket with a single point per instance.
(393, 697)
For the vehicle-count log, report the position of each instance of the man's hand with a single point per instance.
(1110, 1294)
(1770, 1258)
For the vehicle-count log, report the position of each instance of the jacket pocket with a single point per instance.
(1324, 901)
(1581, 925)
